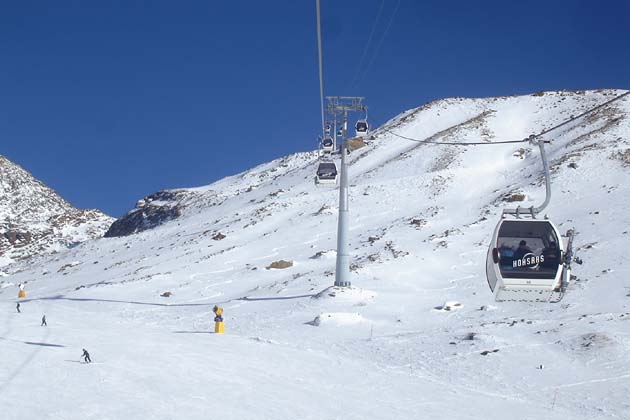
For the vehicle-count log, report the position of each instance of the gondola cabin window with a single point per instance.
(528, 250)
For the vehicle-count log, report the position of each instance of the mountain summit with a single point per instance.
(34, 219)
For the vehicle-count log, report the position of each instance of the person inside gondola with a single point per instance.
(551, 256)
(507, 255)
(522, 250)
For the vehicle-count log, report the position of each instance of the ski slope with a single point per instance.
(421, 218)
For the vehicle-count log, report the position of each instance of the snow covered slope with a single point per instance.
(422, 216)
(35, 220)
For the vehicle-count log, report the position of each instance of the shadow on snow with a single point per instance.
(32, 343)
(61, 297)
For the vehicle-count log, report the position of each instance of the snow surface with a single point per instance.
(422, 216)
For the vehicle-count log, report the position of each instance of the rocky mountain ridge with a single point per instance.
(35, 220)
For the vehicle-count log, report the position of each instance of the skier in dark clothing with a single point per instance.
(44, 324)
(18, 307)
(86, 356)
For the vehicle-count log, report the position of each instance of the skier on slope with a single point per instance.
(86, 356)
(44, 324)
(17, 307)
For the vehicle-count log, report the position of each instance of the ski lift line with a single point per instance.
(589, 111)
(452, 143)
(529, 139)
(319, 55)
(367, 45)
(380, 43)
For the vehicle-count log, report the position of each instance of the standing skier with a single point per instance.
(44, 324)
(17, 307)
(86, 356)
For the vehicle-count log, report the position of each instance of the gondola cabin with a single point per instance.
(326, 173)
(525, 261)
(327, 145)
(361, 128)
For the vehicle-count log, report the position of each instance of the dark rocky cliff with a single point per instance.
(152, 211)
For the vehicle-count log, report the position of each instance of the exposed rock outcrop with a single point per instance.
(153, 210)
(34, 219)
(280, 264)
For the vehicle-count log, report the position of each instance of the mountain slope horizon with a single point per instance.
(417, 335)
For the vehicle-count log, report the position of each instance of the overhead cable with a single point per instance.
(367, 45)
(380, 43)
(589, 111)
(321, 76)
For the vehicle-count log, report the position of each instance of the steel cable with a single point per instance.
(321, 76)
(542, 133)
(367, 45)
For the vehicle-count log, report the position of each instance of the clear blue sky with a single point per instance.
(109, 101)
